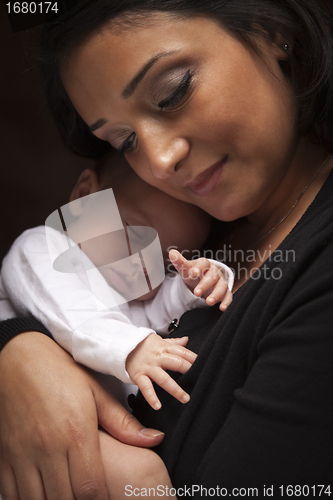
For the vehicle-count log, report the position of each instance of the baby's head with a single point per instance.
(178, 224)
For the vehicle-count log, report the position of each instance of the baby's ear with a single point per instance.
(87, 183)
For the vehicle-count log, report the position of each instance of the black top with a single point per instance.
(11, 327)
(262, 386)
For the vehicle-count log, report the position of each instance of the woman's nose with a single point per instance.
(164, 152)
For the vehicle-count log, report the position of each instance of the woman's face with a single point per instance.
(196, 112)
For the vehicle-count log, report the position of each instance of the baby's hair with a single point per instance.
(110, 165)
(104, 164)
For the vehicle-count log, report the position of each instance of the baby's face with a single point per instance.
(178, 224)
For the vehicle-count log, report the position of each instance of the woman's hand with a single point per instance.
(49, 413)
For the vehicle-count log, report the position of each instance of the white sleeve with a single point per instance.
(7, 310)
(174, 298)
(65, 304)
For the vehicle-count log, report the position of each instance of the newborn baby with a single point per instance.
(121, 340)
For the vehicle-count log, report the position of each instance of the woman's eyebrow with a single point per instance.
(129, 89)
(97, 124)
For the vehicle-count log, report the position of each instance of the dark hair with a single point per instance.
(305, 25)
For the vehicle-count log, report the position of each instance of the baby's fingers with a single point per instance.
(180, 341)
(179, 357)
(201, 267)
(220, 291)
(212, 277)
(182, 265)
(146, 387)
(226, 301)
(167, 383)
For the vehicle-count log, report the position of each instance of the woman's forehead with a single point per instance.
(111, 59)
(158, 32)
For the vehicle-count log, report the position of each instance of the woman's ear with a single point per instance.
(87, 183)
(283, 47)
(279, 48)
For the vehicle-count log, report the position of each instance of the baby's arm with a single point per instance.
(101, 340)
(149, 360)
(174, 297)
(7, 310)
(204, 279)
(65, 304)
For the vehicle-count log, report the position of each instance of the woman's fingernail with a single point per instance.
(185, 398)
(157, 406)
(152, 433)
(198, 291)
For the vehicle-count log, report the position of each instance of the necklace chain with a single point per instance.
(292, 208)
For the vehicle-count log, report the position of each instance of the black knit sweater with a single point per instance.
(261, 408)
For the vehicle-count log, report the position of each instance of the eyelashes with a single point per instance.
(177, 95)
(169, 103)
(128, 145)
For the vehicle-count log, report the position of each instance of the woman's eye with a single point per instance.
(170, 102)
(177, 95)
(128, 144)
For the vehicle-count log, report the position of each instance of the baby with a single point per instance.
(120, 341)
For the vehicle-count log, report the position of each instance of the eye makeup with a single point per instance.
(165, 92)
(128, 145)
(171, 102)
(178, 94)
(118, 138)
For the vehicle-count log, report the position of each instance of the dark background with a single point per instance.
(37, 173)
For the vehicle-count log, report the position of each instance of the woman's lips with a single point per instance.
(207, 181)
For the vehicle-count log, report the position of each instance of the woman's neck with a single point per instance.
(302, 181)
(255, 237)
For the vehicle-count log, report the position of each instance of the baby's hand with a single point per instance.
(203, 278)
(148, 362)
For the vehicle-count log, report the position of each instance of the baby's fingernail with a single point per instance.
(198, 291)
(185, 398)
(211, 300)
(152, 433)
(157, 406)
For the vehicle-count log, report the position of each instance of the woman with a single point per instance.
(227, 105)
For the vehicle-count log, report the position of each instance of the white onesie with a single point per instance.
(65, 304)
